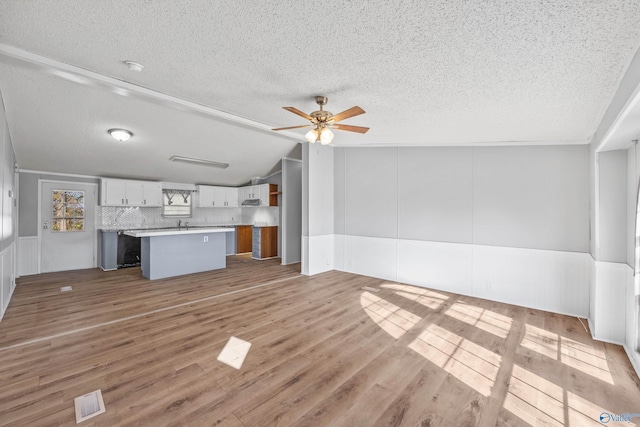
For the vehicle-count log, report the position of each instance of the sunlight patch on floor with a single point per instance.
(422, 296)
(534, 399)
(585, 358)
(540, 341)
(394, 320)
(583, 412)
(234, 352)
(484, 319)
(472, 364)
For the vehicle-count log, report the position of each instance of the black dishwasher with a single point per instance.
(128, 251)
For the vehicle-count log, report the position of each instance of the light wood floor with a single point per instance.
(325, 352)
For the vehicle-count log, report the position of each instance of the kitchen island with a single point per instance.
(178, 251)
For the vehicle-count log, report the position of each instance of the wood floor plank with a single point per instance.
(325, 352)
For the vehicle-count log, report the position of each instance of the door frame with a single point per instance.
(42, 181)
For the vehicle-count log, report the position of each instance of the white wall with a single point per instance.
(291, 211)
(607, 316)
(612, 205)
(607, 319)
(504, 223)
(632, 291)
(612, 316)
(317, 209)
(371, 193)
(531, 197)
(633, 181)
(8, 229)
(614, 288)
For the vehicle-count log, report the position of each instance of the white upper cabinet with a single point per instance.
(264, 195)
(153, 194)
(244, 193)
(210, 196)
(113, 192)
(251, 192)
(219, 197)
(231, 197)
(205, 197)
(119, 192)
(262, 192)
(134, 193)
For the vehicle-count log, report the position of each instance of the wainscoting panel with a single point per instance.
(321, 257)
(371, 256)
(632, 324)
(304, 255)
(7, 278)
(547, 280)
(338, 251)
(610, 305)
(27, 256)
(436, 265)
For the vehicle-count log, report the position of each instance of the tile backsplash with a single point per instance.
(123, 218)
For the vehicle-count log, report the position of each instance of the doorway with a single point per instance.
(66, 218)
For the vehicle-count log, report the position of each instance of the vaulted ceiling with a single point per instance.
(216, 75)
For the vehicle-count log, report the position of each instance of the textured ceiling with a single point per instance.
(426, 72)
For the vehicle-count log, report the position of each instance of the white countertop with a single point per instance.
(176, 231)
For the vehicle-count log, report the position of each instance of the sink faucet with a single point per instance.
(186, 225)
(179, 223)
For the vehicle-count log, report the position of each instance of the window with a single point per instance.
(68, 210)
(176, 203)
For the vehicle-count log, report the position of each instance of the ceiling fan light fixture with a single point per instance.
(312, 135)
(120, 134)
(326, 136)
(322, 119)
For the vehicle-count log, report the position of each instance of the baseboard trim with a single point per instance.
(634, 357)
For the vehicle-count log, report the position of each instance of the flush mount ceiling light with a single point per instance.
(120, 134)
(134, 66)
(203, 162)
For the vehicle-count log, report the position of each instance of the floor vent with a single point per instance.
(234, 352)
(367, 288)
(88, 406)
(65, 289)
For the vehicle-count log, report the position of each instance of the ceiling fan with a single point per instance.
(323, 121)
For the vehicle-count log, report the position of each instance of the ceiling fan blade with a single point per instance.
(350, 128)
(300, 113)
(353, 111)
(293, 127)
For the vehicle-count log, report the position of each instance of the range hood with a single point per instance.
(251, 202)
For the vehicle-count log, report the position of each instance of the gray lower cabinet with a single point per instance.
(264, 242)
(179, 254)
(109, 250)
(231, 242)
(255, 242)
